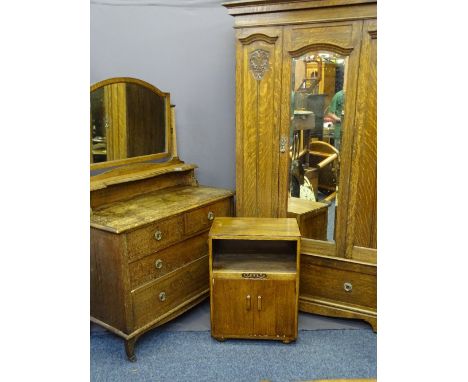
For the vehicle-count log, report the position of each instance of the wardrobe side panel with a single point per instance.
(363, 204)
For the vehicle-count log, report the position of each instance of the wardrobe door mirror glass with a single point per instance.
(127, 120)
(317, 122)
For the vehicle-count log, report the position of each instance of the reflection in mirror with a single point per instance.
(127, 120)
(317, 118)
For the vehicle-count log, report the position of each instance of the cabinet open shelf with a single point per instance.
(267, 256)
(272, 263)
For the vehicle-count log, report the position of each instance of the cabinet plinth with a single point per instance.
(254, 278)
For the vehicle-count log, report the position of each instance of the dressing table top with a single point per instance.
(144, 209)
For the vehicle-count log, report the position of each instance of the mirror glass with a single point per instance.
(127, 120)
(316, 124)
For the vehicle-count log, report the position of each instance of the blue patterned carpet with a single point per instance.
(195, 356)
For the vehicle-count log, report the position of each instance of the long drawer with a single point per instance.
(162, 295)
(338, 281)
(161, 234)
(167, 260)
(154, 237)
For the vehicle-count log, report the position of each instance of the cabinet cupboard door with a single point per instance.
(258, 90)
(274, 308)
(231, 308)
(247, 308)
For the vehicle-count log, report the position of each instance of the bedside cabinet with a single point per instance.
(254, 278)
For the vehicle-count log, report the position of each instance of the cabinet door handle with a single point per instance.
(247, 302)
(259, 302)
(211, 215)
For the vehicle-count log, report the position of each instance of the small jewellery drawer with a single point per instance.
(160, 263)
(331, 281)
(202, 218)
(154, 237)
(162, 295)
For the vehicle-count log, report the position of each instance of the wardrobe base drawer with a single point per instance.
(170, 291)
(338, 280)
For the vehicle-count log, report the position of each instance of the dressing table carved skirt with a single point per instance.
(149, 256)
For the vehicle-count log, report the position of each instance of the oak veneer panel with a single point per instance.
(257, 137)
(145, 108)
(232, 313)
(335, 34)
(157, 205)
(178, 286)
(172, 258)
(276, 315)
(115, 111)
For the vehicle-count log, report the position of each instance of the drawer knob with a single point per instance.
(162, 296)
(158, 235)
(348, 287)
(158, 263)
(211, 215)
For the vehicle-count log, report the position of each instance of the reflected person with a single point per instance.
(335, 115)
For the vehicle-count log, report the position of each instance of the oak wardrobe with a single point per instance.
(306, 128)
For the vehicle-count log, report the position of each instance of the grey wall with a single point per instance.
(186, 49)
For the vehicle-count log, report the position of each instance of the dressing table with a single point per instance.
(149, 216)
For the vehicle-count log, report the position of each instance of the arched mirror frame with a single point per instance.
(338, 247)
(169, 146)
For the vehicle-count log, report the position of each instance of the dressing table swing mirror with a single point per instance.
(149, 216)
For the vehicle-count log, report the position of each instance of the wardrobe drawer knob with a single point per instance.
(211, 215)
(158, 263)
(348, 287)
(162, 296)
(158, 235)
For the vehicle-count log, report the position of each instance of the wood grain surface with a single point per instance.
(270, 228)
(363, 203)
(257, 125)
(150, 207)
(163, 262)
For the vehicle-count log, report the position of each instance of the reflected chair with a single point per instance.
(323, 169)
